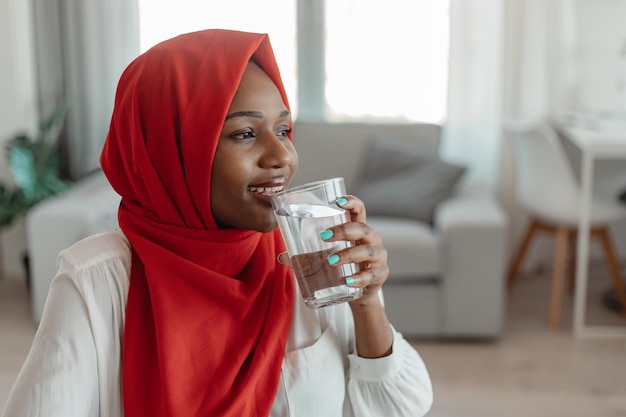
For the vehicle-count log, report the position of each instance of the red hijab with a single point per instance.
(208, 309)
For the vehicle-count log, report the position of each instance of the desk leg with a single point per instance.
(582, 256)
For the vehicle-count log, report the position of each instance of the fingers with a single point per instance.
(355, 207)
(352, 231)
(372, 261)
(369, 253)
(371, 277)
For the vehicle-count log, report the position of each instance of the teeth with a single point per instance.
(266, 189)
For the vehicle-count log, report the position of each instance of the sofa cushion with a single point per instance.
(412, 247)
(328, 150)
(399, 181)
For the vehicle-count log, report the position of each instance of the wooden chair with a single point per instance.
(549, 193)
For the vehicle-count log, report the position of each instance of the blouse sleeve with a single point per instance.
(395, 385)
(59, 376)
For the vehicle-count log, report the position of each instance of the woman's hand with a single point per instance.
(372, 331)
(368, 251)
(371, 328)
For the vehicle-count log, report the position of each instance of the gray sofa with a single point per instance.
(446, 272)
(446, 276)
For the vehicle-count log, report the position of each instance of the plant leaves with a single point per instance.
(22, 163)
(35, 166)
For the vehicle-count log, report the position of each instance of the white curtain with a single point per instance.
(511, 59)
(471, 134)
(540, 79)
(540, 68)
(82, 47)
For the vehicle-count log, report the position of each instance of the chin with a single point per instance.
(268, 228)
(264, 224)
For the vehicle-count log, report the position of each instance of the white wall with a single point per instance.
(601, 38)
(18, 107)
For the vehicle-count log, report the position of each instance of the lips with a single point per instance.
(268, 188)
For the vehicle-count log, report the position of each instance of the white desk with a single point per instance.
(594, 145)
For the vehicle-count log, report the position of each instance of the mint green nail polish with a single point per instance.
(326, 234)
(342, 201)
(349, 281)
(333, 259)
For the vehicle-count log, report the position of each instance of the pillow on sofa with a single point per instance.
(398, 181)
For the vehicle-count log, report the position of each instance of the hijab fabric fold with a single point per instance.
(208, 309)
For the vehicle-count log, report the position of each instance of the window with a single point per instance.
(384, 61)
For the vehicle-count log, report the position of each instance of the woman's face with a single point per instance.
(254, 156)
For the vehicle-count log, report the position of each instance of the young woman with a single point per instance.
(185, 310)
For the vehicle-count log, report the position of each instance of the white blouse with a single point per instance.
(74, 366)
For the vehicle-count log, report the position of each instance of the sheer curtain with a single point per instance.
(540, 68)
(540, 78)
(82, 47)
(510, 59)
(471, 134)
(539, 82)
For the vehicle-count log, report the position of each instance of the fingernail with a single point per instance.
(326, 234)
(349, 281)
(333, 259)
(342, 201)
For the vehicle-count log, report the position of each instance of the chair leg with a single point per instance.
(557, 277)
(520, 253)
(571, 261)
(614, 268)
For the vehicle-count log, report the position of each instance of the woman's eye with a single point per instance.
(283, 131)
(246, 134)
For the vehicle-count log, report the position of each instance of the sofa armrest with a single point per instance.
(88, 207)
(473, 229)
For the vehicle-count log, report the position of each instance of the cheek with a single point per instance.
(294, 159)
(222, 177)
(232, 172)
(227, 165)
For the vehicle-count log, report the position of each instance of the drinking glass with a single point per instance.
(302, 213)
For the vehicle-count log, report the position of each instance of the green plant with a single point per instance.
(35, 164)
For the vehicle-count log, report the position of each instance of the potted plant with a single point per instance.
(35, 165)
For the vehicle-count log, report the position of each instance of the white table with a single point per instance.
(594, 145)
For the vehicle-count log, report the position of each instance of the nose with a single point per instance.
(275, 151)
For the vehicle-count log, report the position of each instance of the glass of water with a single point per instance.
(302, 213)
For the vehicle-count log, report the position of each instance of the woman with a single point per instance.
(185, 310)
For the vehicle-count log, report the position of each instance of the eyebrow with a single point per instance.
(255, 114)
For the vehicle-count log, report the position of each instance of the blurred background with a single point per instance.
(470, 66)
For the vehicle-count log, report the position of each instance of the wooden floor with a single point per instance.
(528, 372)
(531, 371)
